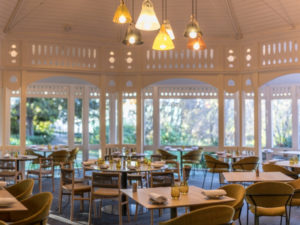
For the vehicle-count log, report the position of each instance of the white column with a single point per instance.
(85, 123)
(295, 140)
(221, 111)
(102, 117)
(156, 119)
(268, 118)
(71, 115)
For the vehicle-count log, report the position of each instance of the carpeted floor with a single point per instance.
(107, 219)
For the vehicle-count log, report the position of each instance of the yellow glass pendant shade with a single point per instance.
(147, 20)
(122, 14)
(196, 43)
(163, 41)
(169, 29)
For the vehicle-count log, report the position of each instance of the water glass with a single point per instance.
(175, 192)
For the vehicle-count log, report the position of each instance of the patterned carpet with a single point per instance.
(81, 218)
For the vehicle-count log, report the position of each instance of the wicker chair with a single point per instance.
(202, 216)
(107, 186)
(9, 169)
(214, 166)
(21, 190)
(165, 155)
(173, 167)
(277, 168)
(269, 199)
(246, 164)
(193, 157)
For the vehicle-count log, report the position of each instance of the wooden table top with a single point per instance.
(289, 152)
(19, 158)
(286, 163)
(194, 197)
(251, 177)
(17, 206)
(142, 168)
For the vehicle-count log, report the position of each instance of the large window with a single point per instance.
(248, 120)
(188, 121)
(14, 121)
(230, 119)
(94, 121)
(78, 121)
(263, 122)
(47, 121)
(148, 121)
(281, 122)
(129, 119)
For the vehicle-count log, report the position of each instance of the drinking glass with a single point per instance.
(175, 192)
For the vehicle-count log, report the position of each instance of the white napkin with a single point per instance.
(157, 198)
(7, 155)
(214, 193)
(104, 166)
(273, 161)
(7, 201)
(89, 162)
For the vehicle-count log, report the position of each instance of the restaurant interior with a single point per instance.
(149, 112)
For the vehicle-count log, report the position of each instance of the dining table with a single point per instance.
(181, 150)
(194, 197)
(48, 149)
(14, 206)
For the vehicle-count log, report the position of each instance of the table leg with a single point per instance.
(173, 213)
(124, 186)
(151, 215)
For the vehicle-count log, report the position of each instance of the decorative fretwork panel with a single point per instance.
(94, 92)
(47, 90)
(231, 60)
(147, 92)
(129, 95)
(281, 92)
(279, 53)
(188, 92)
(78, 91)
(62, 56)
(181, 60)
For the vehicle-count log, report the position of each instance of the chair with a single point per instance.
(165, 155)
(31, 152)
(38, 210)
(296, 196)
(59, 157)
(216, 215)
(186, 172)
(277, 168)
(45, 170)
(192, 157)
(21, 190)
(155, 157)
(9, 169)
(3, 223)
(161, 179)
(73, 155)
(68, 186)
(173, 166)
(107, 186)
(246, 164)
(214, 166)
(269, 199)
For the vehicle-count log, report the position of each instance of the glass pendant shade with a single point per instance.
(122, 14)
(133, 36)
(196, 43)
(169, 29)
(192, 28)
(147, 20)
(163, 41)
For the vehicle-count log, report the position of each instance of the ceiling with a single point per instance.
(93, 18)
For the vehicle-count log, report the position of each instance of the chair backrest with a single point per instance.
(213, 163)
(269, 194)
(73, 154)
(249, 163)
(60, 156)
(67, 176)
(216, 215)
(296, 185)
(194, 155)
(106, 180)
(166, 155)
(162, 179)
(21, 190)
(186, 172)
(277, 168)
(8, 164)
(38, 210)
(155, 157)
(173, 166)
(237, 192)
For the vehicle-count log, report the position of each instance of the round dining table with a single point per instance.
(124, 170)
(45, 149)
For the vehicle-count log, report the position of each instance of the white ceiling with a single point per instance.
(93, 18)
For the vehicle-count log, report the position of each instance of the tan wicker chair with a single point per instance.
(246, 164)
(21, 190)
(277, 168)
(269, 199)
(9, 169)
(165, 155)
(107, 186)
(205, 216)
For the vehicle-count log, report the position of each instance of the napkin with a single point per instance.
(7, 155)
(89, 162)
(157, 198)
(104, 166)
(273, 161)
(6, 201)
(214, 193)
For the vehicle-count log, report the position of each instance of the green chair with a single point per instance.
(269, 199)
(165, 155)
(277, 168)
(216, 215)
(21, 190)
(38, 210)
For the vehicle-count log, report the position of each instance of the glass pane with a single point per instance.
(229, 120)
(281, 122)
(47, 121)
(148, 121)
(14, 121)
(263, 124)
(107, 121)
(129, 121)
(94, 121)
(111, 119)
(78, 121)
(189, 122)
(249, 123)
(94, 154)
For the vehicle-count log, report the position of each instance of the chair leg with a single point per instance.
(247, 214)
(136, 211)
(205, 173)
(281, 220)
(81, 203)
(212, 179)
(40, 182)
(120, 210)
(128, 209)
(60, 201)
(90, 210)
(72, 207)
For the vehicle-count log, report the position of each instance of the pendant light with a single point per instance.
(192, 28)
(163, 41)
(122, 14)
(196, 43)
(132, 36)
(147, 20)
(169, 29)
